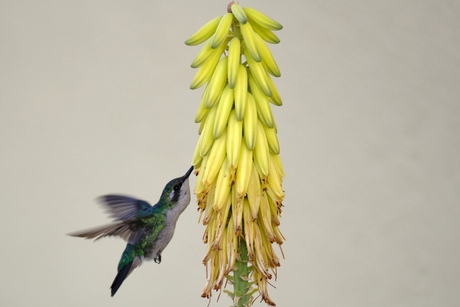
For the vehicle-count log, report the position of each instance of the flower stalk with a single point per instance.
(239, 184)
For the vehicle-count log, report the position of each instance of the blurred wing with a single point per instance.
(122, 208)
(126, 230)
(117, 229)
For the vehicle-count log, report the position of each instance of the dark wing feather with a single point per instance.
(121, 229)
(126, 211)
(122, 208)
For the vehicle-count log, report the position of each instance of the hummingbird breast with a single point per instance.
(163, 239)
(165, 235)
(171, 217)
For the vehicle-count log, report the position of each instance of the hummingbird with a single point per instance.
(146, 229)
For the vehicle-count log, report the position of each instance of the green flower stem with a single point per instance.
(241, 285)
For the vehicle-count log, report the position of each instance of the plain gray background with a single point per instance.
(94, 99)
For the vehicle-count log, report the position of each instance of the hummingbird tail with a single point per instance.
(121, 276)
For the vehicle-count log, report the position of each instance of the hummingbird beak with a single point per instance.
(187, 174)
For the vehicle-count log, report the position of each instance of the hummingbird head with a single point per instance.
(176, 193)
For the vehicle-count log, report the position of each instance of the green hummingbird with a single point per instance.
(146, 229)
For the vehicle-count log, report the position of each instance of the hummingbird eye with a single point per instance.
(176, 187)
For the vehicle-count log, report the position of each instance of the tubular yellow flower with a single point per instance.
(239, 184)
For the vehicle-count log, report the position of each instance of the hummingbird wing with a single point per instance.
(128, 212)
(122, 208)
(123, 229)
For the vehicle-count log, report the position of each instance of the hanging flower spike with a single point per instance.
(239, 184)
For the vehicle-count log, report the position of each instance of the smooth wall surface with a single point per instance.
(94, 99)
